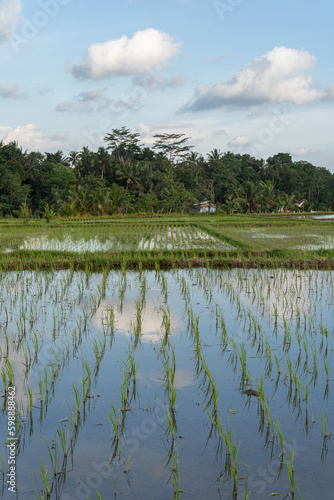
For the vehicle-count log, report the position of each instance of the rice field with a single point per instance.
(115, 237)
(294, 237)
(188, 383)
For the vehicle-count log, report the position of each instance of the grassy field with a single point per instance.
(168, 241)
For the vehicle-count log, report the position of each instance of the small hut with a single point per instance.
(205, 207)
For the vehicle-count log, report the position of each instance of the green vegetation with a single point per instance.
(137, 242)
(126, 177)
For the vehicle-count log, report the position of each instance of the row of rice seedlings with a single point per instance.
(48, 377)
(207, 383)
(294, 377)
(129, 375)
(189, 243)
(135, 236)
(197, 237)
(232, 464)
(147, 236)
(67, 440)
(169, 367)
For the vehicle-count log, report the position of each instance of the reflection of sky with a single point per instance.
(325, 242)
(183, 377)
(176, 238)
(18, 363)
(151, 320)
(261, 291)
(67, 244)
(206, 289)
(169, 238)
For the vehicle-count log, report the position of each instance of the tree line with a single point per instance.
(125, 176)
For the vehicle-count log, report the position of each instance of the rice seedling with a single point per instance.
(114, 421)
(324, 422)
(290, 468)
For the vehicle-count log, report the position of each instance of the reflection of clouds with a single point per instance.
(16, 357)
(151, 320)
(147, 378)
(284, 290)
(183, 378)
(178, 238)
(67, 244)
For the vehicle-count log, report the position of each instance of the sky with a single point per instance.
(247, 76)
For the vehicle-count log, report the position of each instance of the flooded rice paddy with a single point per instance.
(121, 237)
(300, 237)
(181, 384)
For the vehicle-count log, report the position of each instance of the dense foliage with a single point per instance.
(126, 177)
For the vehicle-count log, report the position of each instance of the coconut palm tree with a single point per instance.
(250, 197)
(268, 195)
(128, 175)
(102, 202)
(73, 159)
(287, 202)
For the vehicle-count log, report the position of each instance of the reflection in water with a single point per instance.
(325, 242)
(125, 321)
(172, 353)
(182, 238)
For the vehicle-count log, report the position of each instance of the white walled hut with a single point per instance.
(205, 207)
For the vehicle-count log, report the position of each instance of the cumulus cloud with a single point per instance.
(278, 76)
(9, 15)
(240, 141)
(31, 137)
(147, 50)
(304, 152)
(11, 91)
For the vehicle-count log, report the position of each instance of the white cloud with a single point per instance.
(240, 141)
(30, 137)
(277, 76)
(9, 15)
(11, 90)
(304, 152)
(146, 51)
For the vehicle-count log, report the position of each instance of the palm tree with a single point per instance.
(102, 201)
(120, 197)
(250, 197)
(287, 202)
(102, 159)
(232, 206)
(215, 155)
(127, 174)
(83, 201)
(234, 191)
(56, 158)
(268, 196)
(73, 158)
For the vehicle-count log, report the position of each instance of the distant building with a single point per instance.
(205, 207)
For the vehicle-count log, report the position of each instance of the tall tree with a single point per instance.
(172, 146)
(122, 143)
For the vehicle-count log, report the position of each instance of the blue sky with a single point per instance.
(248, 76)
